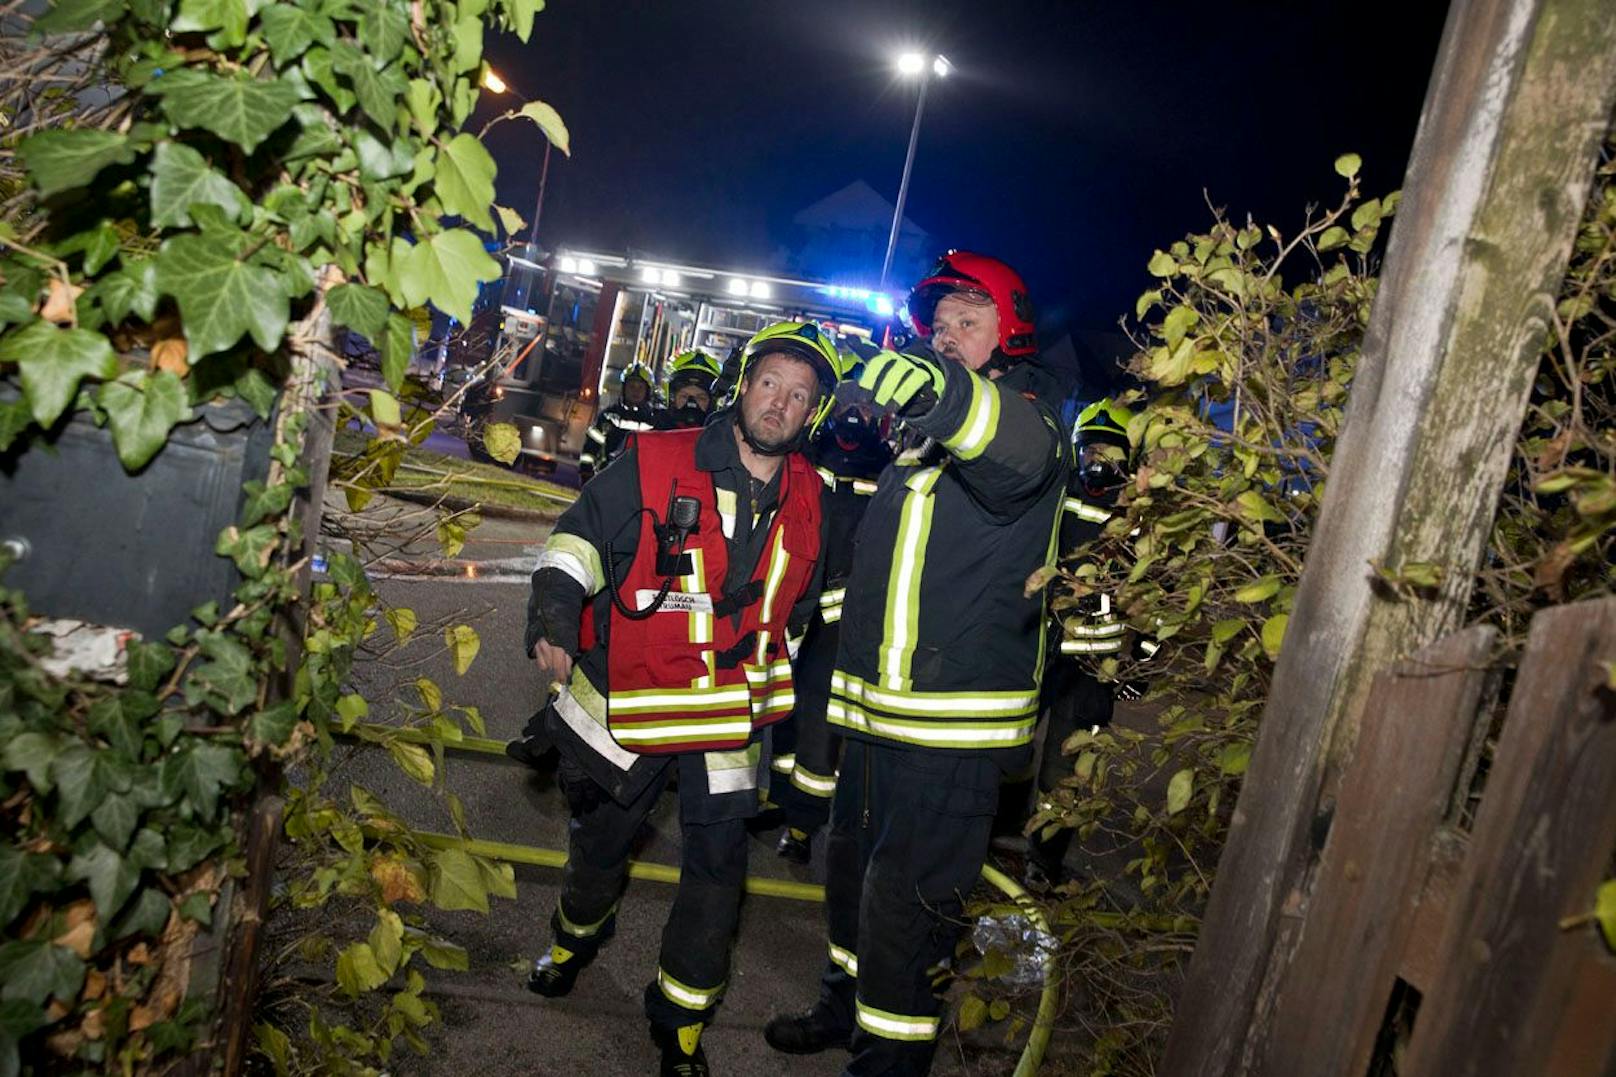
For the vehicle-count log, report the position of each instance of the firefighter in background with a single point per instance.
(688, 389)
(849, 452)
(635, 411)
(674, 581)
(1073, 698)
(942, 649)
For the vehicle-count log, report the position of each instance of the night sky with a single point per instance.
(1071, 139)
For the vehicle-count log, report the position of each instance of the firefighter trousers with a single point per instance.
(807, 747)
(909, 831)
(693, 964)
(1074, 700)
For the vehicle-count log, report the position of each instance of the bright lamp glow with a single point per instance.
(759, 290)
(586, 267)
(493, 83)
(569, 264)
(651, 276)
(883, 306)
(670, 278)
(911, 63)
(941, 67)
(737, 286)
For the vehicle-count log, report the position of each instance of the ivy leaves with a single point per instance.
(446, 269)
(141, 409)
(181, 178)
(221, 295)
(53, 361)
(59, 160)
(237, 108)
(465, 180)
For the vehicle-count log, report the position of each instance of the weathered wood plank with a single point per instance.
(1417, 730)
(1445, 862)
(1541, 843)
(1519, 99)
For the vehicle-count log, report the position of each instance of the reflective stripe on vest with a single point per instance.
(1084, 511)
(1091, 646)
(901, 630)
(981, 421)
(834, 482)
(935, 719)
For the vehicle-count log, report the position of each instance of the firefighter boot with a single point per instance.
(795, 845)
(557, 970)
(682, 1053)
(806, 1033)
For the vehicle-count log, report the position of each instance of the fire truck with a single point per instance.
(572, 319)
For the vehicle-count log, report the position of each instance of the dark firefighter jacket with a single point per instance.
(571, 571)
(850, 476)
(608, 435)
(941, 646)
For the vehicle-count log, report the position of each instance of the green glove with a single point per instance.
(898, 381)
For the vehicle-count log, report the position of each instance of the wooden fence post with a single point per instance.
(1520, 98)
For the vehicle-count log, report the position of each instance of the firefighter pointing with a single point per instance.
(662, 603)
(941, 653)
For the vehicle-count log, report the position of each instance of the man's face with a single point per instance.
(635, 392)
(777, 396)
(965, 329)
(691, 394)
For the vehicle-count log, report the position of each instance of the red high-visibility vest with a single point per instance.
(688, 677)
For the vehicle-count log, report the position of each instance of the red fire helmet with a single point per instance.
(964, 270)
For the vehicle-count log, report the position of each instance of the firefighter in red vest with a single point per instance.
(661, 609)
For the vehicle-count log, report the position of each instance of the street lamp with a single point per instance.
(911, 65)
(496, 85)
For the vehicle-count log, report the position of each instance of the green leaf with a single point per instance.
(33, 754)
(1253, 506)
(443, 954)
(357, 970)
(465, 180)
(274, 726)
(1257, 591)
(431, 694)
(202, 772)
(229, 17)
(972, 1013)
(380, 160)
(1333, 237)
(80, 782)
(181, 178)
(403, 622)
(520, 13)
(383, 29)
(141, 409)
(502, 441)
(146, 915)
(397, 348)
(251, 549)
(1179, 790)
(468, 43)
(1179, 320)
(132, 289)
(238, 108)
(1605, 911)
(384, 408)
(290, 29)
(110, 875)
(187, 845)
(413, 760)
(22, 875)
(99, 245)
(262, 502)
(227, 679)
(1161, 264)
(1273, 633)
(1146, 301)
(255, 388)
(386, 940)
(1234, 758)
(456, 881)
(72, 16)
(115, 818)
(463, 646)
(423, 100)
(149, 663)
(1347, 165)
(53, 361)
(59, 160)
(510, 220)
(198, 907)
(221, 297)
(14, 419)
(378, 91)
(445, 271)
(549, 121)
(362, 309)
(36, 970)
